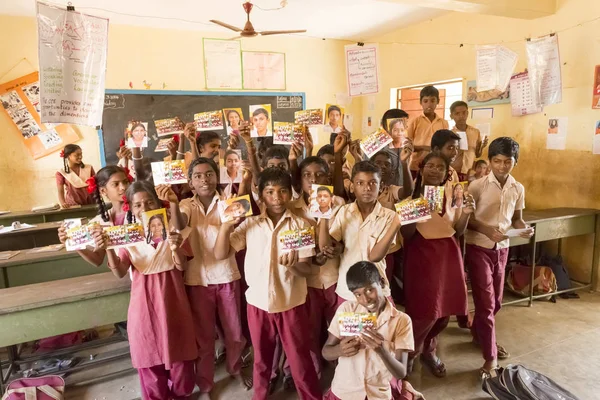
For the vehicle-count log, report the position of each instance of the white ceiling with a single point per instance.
(341, 19)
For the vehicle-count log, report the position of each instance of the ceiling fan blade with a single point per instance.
(266, 33)
(224, 25)
(235, 38)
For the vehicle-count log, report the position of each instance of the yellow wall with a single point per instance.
(551, 178)
(155, 55)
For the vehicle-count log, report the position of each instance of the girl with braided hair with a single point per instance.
(71, 179)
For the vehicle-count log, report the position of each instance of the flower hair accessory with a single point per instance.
(128, 174)
(176, 139)
(92, 184)
(122, 143)
(62, 154)
(125, 204)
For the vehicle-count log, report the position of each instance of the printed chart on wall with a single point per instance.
(222, 64)
(72, 52)
(263, 71)
(521, 99)
(362, 69)
(543, 64)
(21, 100)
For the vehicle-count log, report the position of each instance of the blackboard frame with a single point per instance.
(188, 93)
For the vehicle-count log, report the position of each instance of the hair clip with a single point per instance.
(92, 184)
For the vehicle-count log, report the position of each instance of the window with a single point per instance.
(407, 98)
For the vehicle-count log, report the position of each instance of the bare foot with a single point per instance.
(204, 396)
(244, 380)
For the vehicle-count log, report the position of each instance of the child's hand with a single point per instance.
(528, 233)
(175, 239)
(349, 346)
(295, 151)
(64, 206)
(340, 143)
(485, 141)
(234, 141)
(62, 233)
(246, 171)
(469, 204)
(124, 153)
(165, 193)
(407, 150)
(308, 141)
(190, 132)
(245, 129)
(290, 259)
(232, 223)
(333, 251)
(355, 150)
(372, 339)
(494, 234)
(100, 239)
(172, 146)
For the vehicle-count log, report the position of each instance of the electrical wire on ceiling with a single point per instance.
(282, 5)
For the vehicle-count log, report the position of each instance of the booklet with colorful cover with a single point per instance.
(309, 117)
(162, 145)
(235, 207)
(375, 142)
(352, 324)
(321, 201)
(79, 234)
(287, 133)
(169, 126)
(169, 172)
(155, 224)
(298, 239)
(124, 235)
(413, 210)
(209, 121)
(435, 197)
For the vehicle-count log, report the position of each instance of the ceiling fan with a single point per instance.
(248, 30)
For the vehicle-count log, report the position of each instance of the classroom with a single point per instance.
(299, 199)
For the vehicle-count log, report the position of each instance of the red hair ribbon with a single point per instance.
(122, 143)
(62, 154)
(128, 174)
(176, 139)
(125, 204)
(92, 184)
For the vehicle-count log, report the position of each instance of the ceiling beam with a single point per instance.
(522, 9)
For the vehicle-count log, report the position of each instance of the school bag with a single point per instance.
(519, 277)
(557, 266)
(49, 387)
(515, 382)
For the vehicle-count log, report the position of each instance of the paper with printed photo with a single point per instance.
(124, 235)
(413, 210)
(557, 134)
(298, 239)
(321, 201)
(287, 133)
(261, 117)
(375, 142)
(309, 117)
(163, 145)
(169, 172)
(155, 224)
(435, 197)
(236, 207)
(209, 120)
(169, 126)
(233, 119)
(353, 323)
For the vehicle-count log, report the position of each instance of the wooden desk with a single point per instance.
(28, 268)
(46, 309)
(42, 235)
(39, 217)
(557, 224)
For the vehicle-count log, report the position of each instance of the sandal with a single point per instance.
(247, 359)
(502, 353)
(273, 384)
(220, 355)
(435, 365)
(288, 384)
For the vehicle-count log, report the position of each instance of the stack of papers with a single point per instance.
(20, 227)
(49, 207)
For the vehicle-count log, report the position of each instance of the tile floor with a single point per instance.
(560, 340)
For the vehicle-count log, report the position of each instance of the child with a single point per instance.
(368, 362)
(500, 203)
(390, 194)
(481, 169)
(423, 127)
(321, 283)
(447, 143)
(459, 112)
(213, 286)
(209, 145)
(159, 320)
(110, 182)
(277, 285)
(434, 280)
(71, 180)
(366, 228)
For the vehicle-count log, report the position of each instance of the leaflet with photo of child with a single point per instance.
(375, 142)
(413, 210)
(321, 201)
(233, 119)
(398, 125)
(136, 133)
(352, 324)
(435, 196)
(309, 117)
(155, 225)
(298, 239)
(231, 167)
(459, 190)
(169, 126)
(332, 111)
(236, 207)
(169, 172)
(79, 234)
(209, 120)
(261, 117)
(124, 235)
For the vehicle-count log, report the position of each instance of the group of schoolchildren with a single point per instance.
(232, 281)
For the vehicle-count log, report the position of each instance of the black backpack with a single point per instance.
(515, 382)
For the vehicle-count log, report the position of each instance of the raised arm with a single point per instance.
(94, 257)
(339, 147)
(408, 185)
(381, 248)
(190, 134)
(245, 129)
(166, 193)
(335, 348)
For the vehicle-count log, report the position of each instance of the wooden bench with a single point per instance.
(28, 268)
(38, 217)
(41, 310)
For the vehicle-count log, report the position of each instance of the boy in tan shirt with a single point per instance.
(459, 112)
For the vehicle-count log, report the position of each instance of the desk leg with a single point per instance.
(533, 248)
